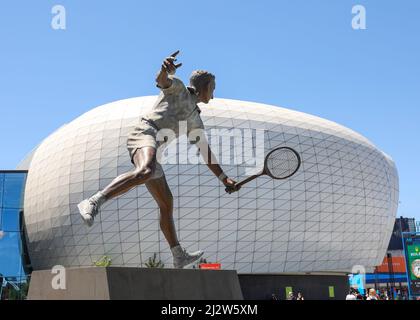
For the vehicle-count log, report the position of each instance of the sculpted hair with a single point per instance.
(200, 78)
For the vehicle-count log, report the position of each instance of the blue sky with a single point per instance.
(299, 54)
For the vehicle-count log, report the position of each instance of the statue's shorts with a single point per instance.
(144, 135)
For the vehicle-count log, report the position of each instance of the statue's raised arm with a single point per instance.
(168, 68)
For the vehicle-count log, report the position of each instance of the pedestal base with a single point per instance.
(115, 283)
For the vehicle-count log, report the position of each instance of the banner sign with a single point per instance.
(413, 258)
(411, 243)
(210, 266)
(398, 265)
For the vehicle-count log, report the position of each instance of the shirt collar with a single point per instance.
(192, 90)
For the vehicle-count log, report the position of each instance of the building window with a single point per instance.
(13, 267)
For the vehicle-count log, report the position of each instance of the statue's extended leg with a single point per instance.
(145, 162)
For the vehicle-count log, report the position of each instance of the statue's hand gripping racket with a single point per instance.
(280, 163)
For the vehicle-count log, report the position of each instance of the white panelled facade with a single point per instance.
(338, 211)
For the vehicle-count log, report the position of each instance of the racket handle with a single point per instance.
(230, 190)
(240, 184)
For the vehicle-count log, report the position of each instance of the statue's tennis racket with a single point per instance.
(280, 163)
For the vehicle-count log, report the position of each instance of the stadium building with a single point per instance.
(306, 233)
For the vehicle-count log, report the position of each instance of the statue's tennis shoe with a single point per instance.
(182, 258)
(88, 210)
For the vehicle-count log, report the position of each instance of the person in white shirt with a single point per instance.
(351, 295)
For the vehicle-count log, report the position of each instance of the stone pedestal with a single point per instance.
(120, 283)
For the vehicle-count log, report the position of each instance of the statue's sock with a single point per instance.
(177, 251)
(98, 198)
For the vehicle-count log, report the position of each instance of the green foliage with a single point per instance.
(24, 288)
(11, 293)
(153, 263)
(105, 261)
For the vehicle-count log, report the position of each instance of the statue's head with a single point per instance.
(204, 84)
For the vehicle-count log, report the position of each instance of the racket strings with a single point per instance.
(282, 163)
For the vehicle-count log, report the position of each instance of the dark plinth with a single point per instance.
(114, 283)
(312, 286)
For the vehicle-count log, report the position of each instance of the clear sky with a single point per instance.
(298, 54)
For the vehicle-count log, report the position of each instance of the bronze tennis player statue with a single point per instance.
(175, 103)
